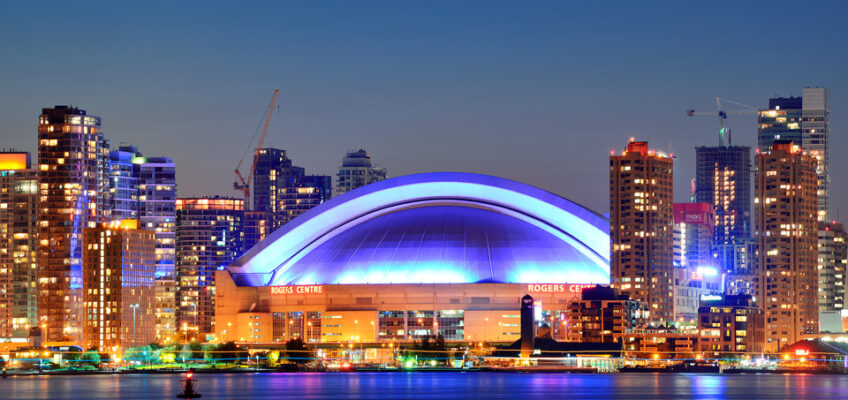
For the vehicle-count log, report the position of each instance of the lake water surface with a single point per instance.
(433, 385)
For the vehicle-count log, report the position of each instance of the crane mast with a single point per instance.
(242, 184)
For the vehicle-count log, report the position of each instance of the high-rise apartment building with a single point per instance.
(123, 183)
(157, 194)
(302, 193)
(786, 283)
(18, 244)
(73, 190)
(118, 286)
(723, 179)
(805, 121)
(832, 266)
(356, 171)
(281, 191)
(209, 236)
(641, 227)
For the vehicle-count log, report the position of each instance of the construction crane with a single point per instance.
(741, 109)
(242, 184)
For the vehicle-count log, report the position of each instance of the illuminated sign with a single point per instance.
(300, 289)
(710, 297)
(802, 352)
(13, 161)
(556, 288)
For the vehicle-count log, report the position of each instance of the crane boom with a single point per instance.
(722, 116)
(241, 183)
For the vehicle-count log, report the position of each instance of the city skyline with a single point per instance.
(508, 98)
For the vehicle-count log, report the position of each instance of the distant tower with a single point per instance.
(357, 171)
(18, 244)
(641, 228)
(832, 266)
(786, 280)
(123, 183)
(73, 168)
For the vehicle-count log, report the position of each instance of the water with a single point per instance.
(435, 385)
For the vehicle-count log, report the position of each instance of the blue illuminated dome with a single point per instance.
(434, 228)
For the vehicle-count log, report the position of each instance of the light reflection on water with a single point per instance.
(432, 385)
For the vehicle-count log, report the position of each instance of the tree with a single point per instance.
(297, 352)
(192, 351)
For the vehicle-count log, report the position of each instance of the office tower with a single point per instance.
(723, 179)
(157, 194)
(805, 121)
(357, 171)
(302, 193)
(118, 286)
(209, 237)
(73, 184)
(18, 243)
(641, 228)
(123, 183)
(831, 266)
(786, 284)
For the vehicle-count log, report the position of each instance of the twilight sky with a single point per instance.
(534, 91)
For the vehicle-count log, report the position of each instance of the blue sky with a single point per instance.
(534, 91)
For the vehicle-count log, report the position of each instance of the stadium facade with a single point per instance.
(416, 256)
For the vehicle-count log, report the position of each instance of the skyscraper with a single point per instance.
(157, 194)
(786, 282)
(805, 121)
(723, 179)
(118, 285)
(73, 195)
(832, 266)
(123, 183)
(18, 234)
(641, 227)
(357, 171)
(281, 191)
(695, 272)
(209, 236)
(302, 193)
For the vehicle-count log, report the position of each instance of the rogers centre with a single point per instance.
(416, 256)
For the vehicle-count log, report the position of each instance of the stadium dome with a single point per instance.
(434, 228)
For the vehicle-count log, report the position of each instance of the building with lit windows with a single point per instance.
(641, 228)
(786, 283)
(208, 237)
(281, 191)
(18, 244)
(414, 257)
(73, 179)
(723, 180)
(118, 285)
(302, 193)
(832, 267)
(695, 269)
(729, 325)
(805, 121)
(357, 170)
(157, 212)
(123, 183)
(602, 315)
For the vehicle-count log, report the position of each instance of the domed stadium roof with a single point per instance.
(434, 228)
